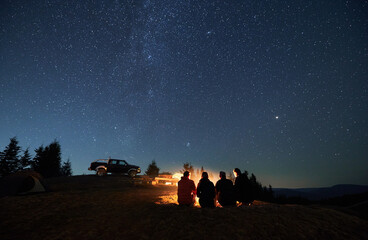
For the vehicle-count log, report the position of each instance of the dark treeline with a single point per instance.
(259, 191)
(346, 200)
(47, 160)
(355, 204)
(152, 170)
(282, 199)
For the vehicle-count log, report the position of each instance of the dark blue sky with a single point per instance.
(278, 88)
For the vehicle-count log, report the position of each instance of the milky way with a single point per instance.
(278, 88)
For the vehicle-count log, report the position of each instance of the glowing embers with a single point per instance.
(171, 198)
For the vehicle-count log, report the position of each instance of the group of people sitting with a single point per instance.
(224, 193)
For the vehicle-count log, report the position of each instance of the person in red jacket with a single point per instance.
(186, 190)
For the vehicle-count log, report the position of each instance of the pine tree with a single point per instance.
(270, 196)
(256, 187)
(188, 167)
(246, 174)
(3, 165)
(255, 190)
(25, 160)
(253, 178)
(152, 170)
(66, 168)
(54, 159)
(38, 160)
(10, 161)
(47, 160)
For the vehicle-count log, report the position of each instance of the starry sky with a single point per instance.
(278, 88)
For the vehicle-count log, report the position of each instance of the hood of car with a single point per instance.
(133, 166)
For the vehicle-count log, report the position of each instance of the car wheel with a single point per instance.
(132, 173)
(101, 172)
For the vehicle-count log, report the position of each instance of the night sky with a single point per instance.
(278, 88)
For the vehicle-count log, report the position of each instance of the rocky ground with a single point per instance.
(113, 207)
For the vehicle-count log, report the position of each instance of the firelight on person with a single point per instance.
(186, 190)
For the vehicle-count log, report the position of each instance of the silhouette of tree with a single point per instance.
(253, 178)
(2, 164)
(25, 160)
(257, 191)
(9, 162)
(270, 195)
(188, 167)
(48, 160)
(66, 168)
(246, 174)
(54, 158)
(38, 161)
(152, 170)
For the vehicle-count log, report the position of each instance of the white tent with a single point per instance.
(20, 184)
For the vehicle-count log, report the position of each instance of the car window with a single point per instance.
(122, 163)
(114, 162)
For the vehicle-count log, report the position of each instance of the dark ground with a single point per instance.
(112, 207)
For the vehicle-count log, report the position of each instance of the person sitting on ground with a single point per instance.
(240, 187)
(186, 190)
(225, 191)
(206, 192)
(244, 191)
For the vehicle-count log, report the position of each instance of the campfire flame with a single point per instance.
(177, 175)
(172, 198)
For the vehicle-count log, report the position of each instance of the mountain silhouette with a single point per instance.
(323, 192)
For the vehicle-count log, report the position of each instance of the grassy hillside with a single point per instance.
(88, 207)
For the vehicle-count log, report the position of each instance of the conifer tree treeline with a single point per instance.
(9, 161)
(47, 160)
(152, 170)
(260, 192)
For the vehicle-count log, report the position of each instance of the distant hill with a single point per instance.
(321, 193)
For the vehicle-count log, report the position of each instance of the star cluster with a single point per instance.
(278, 88)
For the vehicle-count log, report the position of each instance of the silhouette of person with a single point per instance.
(243, 188)
(240, 187)
(225, 191)
(206, 192)
(186, 190)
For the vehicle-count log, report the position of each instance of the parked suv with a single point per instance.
(104, 166)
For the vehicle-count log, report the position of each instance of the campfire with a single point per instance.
(171, 196)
